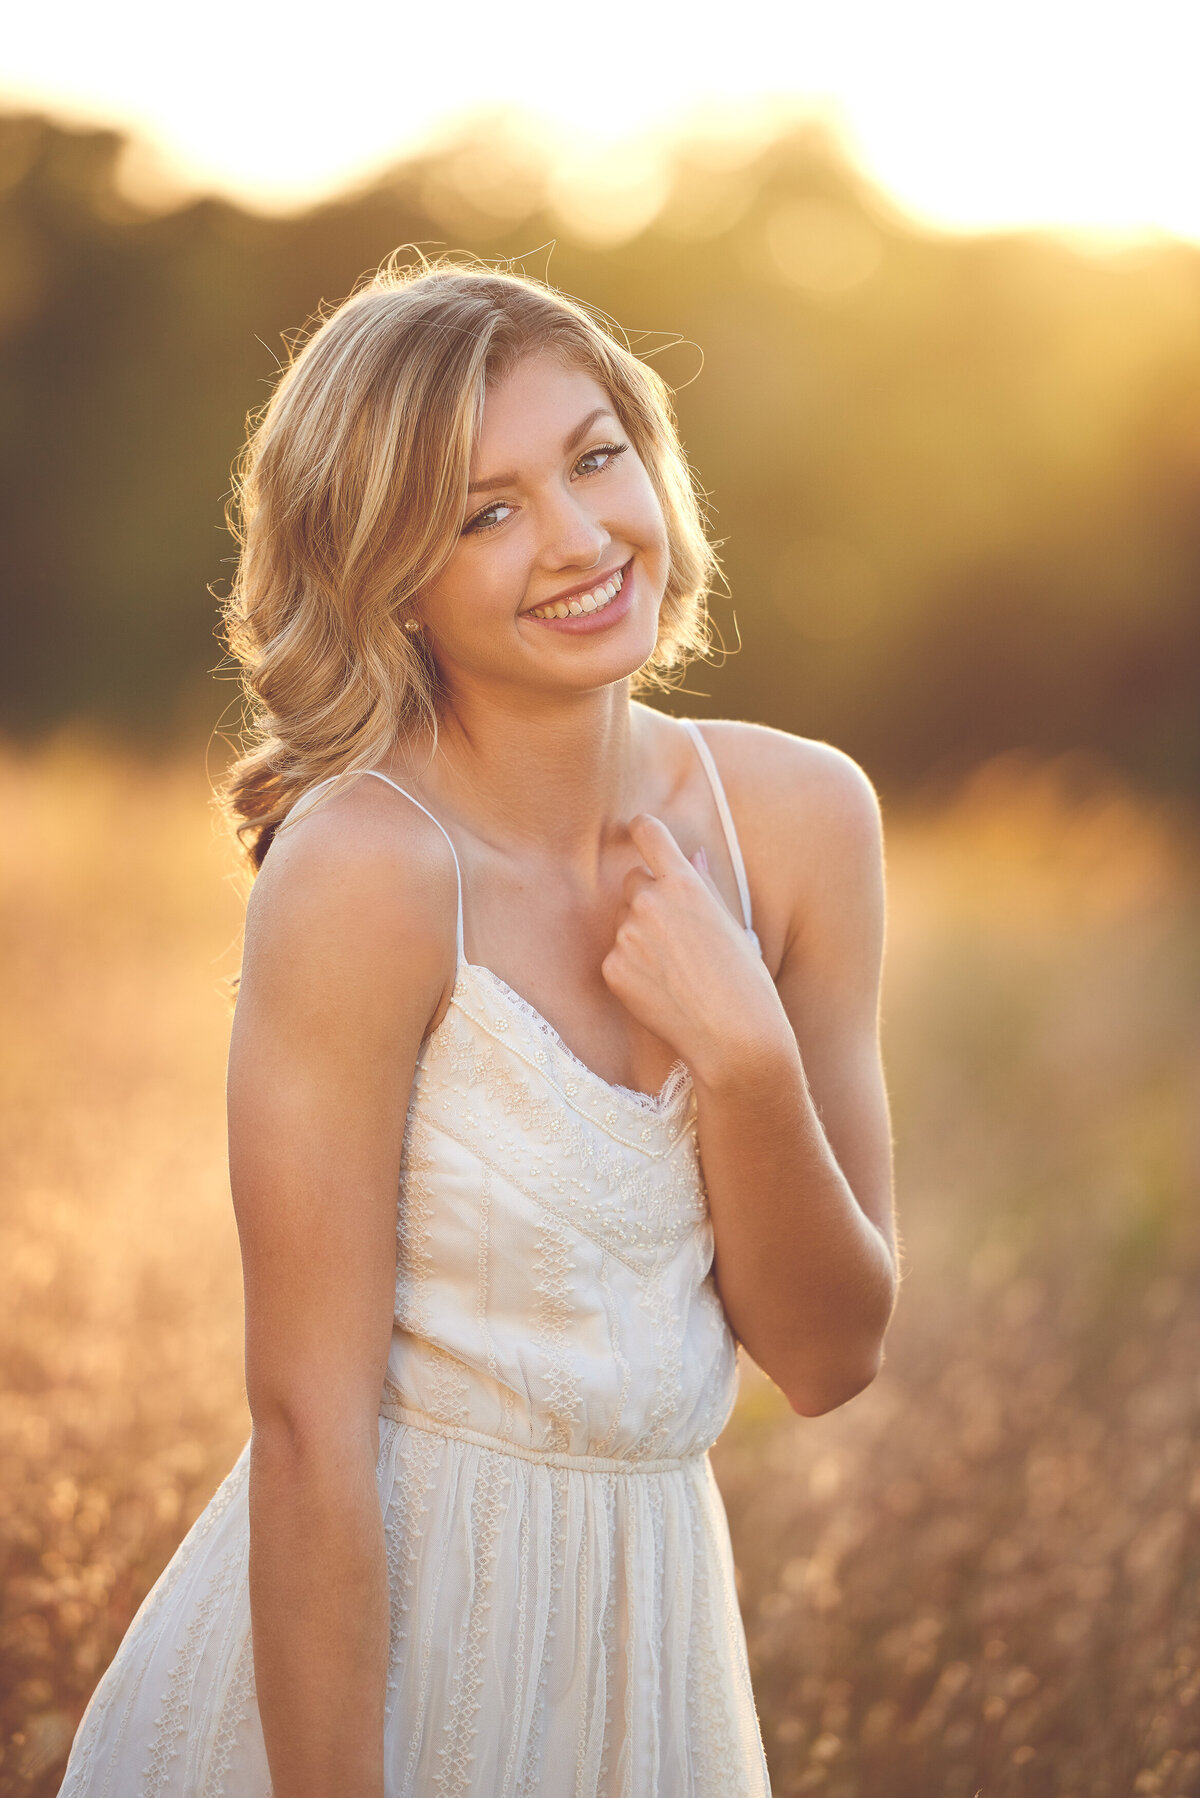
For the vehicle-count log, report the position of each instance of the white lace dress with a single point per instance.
(563, 1615)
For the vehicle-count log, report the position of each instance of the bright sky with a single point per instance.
(1080, 114)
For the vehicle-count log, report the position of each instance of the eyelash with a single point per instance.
(611, 450)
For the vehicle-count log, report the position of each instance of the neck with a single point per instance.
(559, 776)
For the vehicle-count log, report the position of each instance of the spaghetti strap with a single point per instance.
(461, 957)
(314, 790)
(727, 824)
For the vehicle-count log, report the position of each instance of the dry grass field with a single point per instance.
(982, 1577)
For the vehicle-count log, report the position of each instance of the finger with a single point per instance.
(634, 881)
(657, 847)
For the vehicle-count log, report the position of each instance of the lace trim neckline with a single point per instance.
(678, 1080)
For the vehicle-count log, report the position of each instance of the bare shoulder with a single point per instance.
(780, 782)
(809, 823)
(357, 886)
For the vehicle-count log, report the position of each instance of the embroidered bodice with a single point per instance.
(554, 1287)
(555, 1254)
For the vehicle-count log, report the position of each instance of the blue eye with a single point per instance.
(610, 452)
(484, 521)
(602, 457)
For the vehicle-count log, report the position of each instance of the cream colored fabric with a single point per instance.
(563, 1616)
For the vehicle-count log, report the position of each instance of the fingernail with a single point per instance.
(701, 861)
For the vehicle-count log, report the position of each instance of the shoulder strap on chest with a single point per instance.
(726, 817)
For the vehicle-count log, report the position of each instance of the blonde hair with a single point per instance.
(351, 495)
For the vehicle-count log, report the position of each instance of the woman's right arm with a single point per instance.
(349, 952)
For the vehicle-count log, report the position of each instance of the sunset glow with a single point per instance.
(1053, 114)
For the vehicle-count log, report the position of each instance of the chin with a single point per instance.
(629, 656)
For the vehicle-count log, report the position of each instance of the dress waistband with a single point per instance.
(420, 1420)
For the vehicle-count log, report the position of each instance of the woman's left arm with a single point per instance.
(792, 1114)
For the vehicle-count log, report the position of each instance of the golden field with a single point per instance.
(982, 1577)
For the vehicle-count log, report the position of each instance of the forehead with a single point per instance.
(533, 408)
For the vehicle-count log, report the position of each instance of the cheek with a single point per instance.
(645, 514)
(475, 590)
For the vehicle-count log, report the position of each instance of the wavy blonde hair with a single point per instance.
(351, 494)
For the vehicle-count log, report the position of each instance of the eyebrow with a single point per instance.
(511, 478)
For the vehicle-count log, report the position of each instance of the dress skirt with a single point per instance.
(560, 1626)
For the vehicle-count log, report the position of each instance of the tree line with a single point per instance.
(955, 479)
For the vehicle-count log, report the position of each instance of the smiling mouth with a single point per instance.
(594, 600)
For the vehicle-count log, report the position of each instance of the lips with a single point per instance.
(581, 600)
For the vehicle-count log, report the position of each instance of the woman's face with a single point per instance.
(560, 570)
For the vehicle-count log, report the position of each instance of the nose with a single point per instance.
(572, 537)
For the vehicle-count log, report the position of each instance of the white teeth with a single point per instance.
(583, 602)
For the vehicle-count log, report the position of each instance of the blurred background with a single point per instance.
(927, 283)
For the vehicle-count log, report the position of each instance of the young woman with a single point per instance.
(509, 957)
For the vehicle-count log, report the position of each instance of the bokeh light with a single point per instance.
(1042, 112)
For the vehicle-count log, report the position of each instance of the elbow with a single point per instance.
(815, 1391)
(826, 1367)
(293, 1434)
